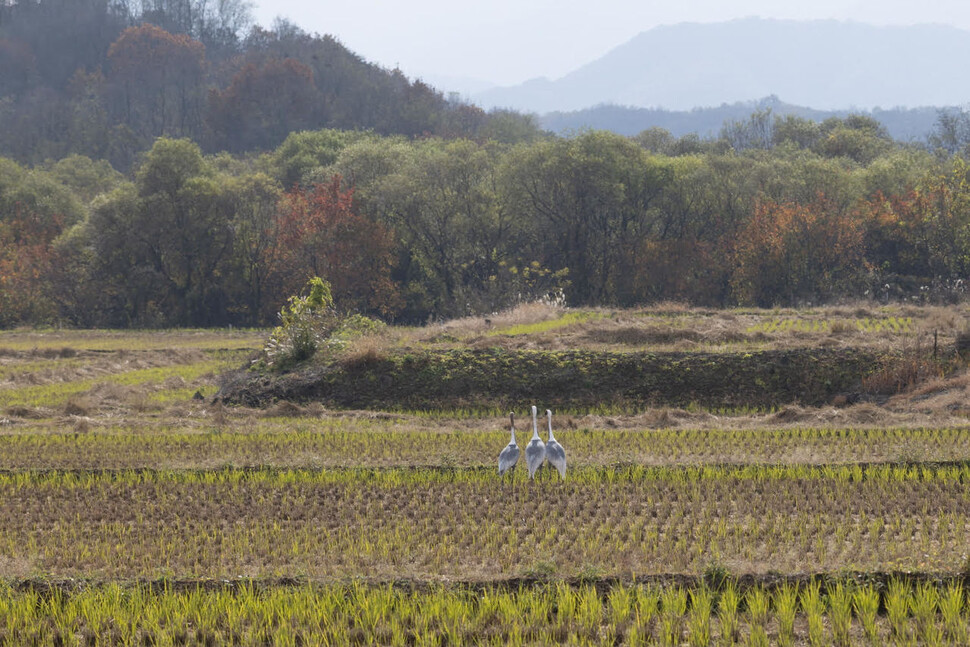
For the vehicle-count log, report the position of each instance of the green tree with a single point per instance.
(443, 202)
(365, 164)
(83, 298)
(796, 131)
(166, 238)
(252, 202)
(591, 201)
(36, 192)
(857, 137)
(302, 153)
(306, 323)
(84, 177)
(656, 140)
(897, 172)
(510, 127)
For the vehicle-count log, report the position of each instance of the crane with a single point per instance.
(555, 453)
(510, 455)
(535, 451)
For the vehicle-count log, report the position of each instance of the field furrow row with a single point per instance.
(467, 524)
(348, 442)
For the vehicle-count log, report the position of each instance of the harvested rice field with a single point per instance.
(138, 506)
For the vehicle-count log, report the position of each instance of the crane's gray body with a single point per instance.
(535, 451)
(508, 458)
(535, 454)
(510, 455)
(555, 453)
(556, 456)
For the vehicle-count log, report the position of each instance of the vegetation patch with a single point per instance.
(68, 343)
(58, 393)
(497, 377)
(643, 336)
(567, 319)
(890, 324)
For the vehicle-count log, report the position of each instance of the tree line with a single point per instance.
(409, 229)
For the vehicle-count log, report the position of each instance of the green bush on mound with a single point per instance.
(308, 324)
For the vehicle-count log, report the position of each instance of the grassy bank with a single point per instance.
(572, 379)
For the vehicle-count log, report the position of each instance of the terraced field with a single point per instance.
(135, 509)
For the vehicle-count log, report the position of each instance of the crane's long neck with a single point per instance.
(549, 415)
(512, 420)
(535, 424)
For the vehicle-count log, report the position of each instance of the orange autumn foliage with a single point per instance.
(321, 234)
(789, 252)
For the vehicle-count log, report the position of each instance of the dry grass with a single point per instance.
(466, 327)
(521, 315)
(365, 351)
(676, 327)
(939, 318)
(684, 333)
(79, 406)
(28, 413)
(92, 365)
(140, 380)
(950, 394)
(902, 374)
(291, 410)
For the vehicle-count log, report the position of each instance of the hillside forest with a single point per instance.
(165, 163)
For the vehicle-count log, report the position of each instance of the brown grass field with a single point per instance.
(684, 525)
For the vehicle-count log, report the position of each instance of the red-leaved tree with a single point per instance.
(263, 105)
(321, 234)
(157, 81)
(25, 264)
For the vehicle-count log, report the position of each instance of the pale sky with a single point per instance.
(505, 42)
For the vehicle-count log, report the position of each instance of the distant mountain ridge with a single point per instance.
(826, 64)
(902, 124)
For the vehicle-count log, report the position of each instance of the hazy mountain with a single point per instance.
(823, 64)
(903, 124)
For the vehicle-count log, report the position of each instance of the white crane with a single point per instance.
(555, 453)
(509, 455)
(535, 451)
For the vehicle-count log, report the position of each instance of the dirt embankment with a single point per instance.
(497, 377)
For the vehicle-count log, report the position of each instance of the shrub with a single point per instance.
(306, 323)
